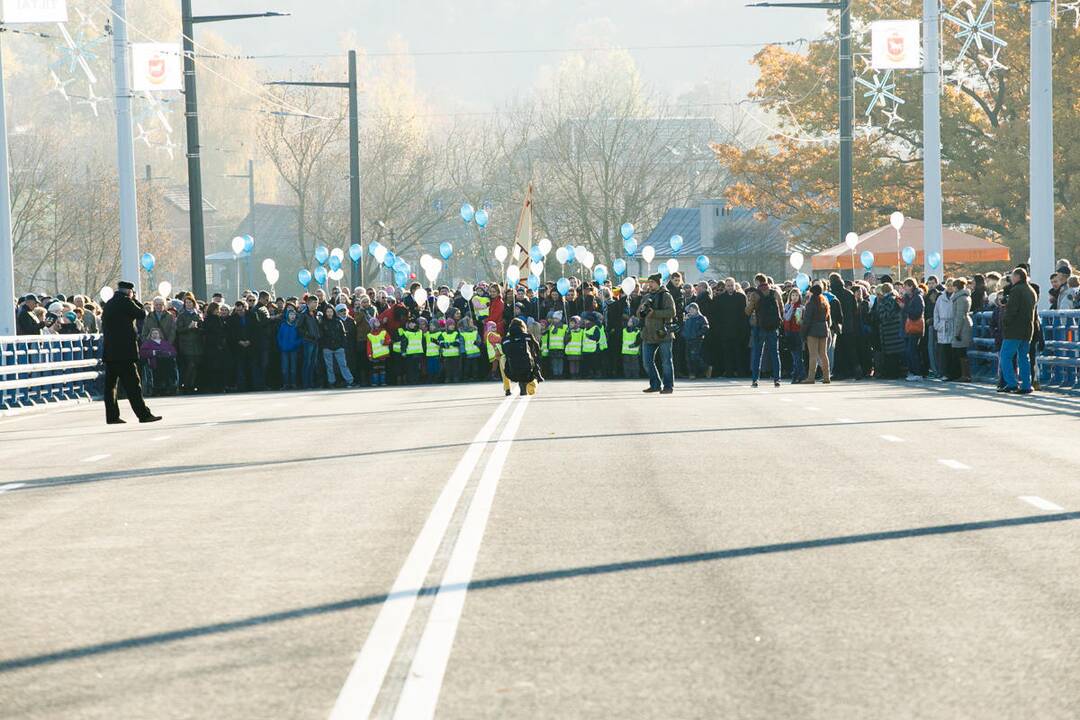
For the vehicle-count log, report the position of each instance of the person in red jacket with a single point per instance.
(496, 308)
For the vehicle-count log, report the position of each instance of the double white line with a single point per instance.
(420, 693)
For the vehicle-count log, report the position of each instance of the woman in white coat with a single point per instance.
(943, 328)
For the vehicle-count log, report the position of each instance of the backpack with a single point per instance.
(768, 313)
(519, 361)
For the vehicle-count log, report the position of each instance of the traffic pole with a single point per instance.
(1042, 149)
(932, 233)
(7, 251)
(125, 151)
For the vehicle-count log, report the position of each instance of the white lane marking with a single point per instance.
(159, 438)
(786, 400)
(11, 486)
(95, 458)
(954, 464)
(1040, 503)
(811, 408)
(844, 420)
(211, 424)
(361, 689)
(892, 438)
(420, 694)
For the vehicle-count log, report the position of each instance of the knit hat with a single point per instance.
(656, 278)
(341, 307)
(56, 308)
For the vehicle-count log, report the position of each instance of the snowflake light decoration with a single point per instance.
(880, 89)
(1066, 7)
(143, 135)
(77, 53)
(973, 30)
(91, 99)
(60, 86)
(893, 115)
(169, 147)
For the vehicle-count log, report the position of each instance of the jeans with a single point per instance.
(311, 351)
(290, 362)
(1015, 351)
(912, 354)
(795, 343)
(329, 356)
(766, 339)
(667, 370)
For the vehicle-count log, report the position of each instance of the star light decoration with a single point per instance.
(1063, 8)
(881, 90)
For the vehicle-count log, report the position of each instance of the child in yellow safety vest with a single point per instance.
(590, 348)
(574, 341)
(631, 349)
(473, 364)
(493, 341)
(378, 349)
(453, 347)
(412, 350)
(556, 337)
(432, 351)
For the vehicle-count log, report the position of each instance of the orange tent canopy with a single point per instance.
(958, 248)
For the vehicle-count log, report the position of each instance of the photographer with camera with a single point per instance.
(121, 353)
(657, 311)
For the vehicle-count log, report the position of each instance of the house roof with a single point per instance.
(676, 221)
(177, 196)
(882, 242)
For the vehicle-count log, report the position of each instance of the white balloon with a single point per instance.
(467, 291)
(164, 288)
(673, 265)
(545, 246)
(237, 245)
(106, 294)
(587, 260)
(420, 296)
(338, 252)
(513, 274)
(851, 240)
(561, 255)
(628, 285)
(272, 275)
(536, 268)
(424, 260)
(797, 260)
(648, 253)
(336, 274)
(500, 253)
(443, 303)
(897, 220)
(267, 264)
(380, 254)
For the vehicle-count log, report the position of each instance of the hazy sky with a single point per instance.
(479, 82)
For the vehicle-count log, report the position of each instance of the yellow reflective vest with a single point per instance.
(590, 342)
(472, 347)
(573, 345)
(378, 345)
(431, 339)
(450, 344)
(557, 337)
(414, 342)
(630, 345)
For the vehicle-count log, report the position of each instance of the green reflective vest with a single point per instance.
(573, 345)
(450, 344)
(432, 341)
(378, 345)
(480, 307)
(630, 344)
(544, 345)
(590, 341)
(557, 337)
(415, 342)
(472, 347)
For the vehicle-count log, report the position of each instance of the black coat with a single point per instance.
(732, 323)
(847, 314)
(242, 328)
(118, 319)
(214, 333)
(26, 323)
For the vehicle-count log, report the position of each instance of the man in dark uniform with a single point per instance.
(121, 340)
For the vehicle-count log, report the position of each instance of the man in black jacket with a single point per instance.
(26, 323)
(847, 341)
(243, 333)
(121, 345)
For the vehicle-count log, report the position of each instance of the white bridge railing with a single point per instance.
(39, 369)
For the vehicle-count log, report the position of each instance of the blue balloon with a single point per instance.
(321, 253)
(563, 286)
(467, 213)
(147, 261)
(481, 218)
(400, 265)
(867, 259)
(619, 266)
(534, 283)
(630, 246)
(676, 243)
(446, 250)
(599, 273)
(249, 243)
(303, 277)
(702, 263)
(388, 261)
(355, 251)
(320, 275)
(665, 273)
(400, 278)
(571, 254)
(908, 254)
(933, 260)
(373, 246)
(802, 281)
(535, 255)
(627, 231)
(334, 262)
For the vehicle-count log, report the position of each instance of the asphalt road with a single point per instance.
(864, 550)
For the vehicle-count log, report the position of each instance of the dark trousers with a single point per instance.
(847, 356)
(125, 373)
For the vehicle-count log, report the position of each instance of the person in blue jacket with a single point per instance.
(288, 341)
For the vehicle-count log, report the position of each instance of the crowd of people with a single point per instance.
(663, 328)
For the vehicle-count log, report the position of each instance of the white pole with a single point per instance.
(125, 150)
(932, 241)
(1042, 150)
(7, 253)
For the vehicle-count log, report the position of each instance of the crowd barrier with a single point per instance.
(40, 369)
(1057, 366)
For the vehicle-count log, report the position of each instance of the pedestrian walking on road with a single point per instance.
(522, 355)
(121, 354)
(657, 310)
(765, 308)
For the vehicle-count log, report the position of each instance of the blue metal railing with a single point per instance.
(39, 369)
(1057, 366)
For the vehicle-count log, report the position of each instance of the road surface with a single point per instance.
(860, 550)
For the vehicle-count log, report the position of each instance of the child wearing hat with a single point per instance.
(493, 343)
(378, 350)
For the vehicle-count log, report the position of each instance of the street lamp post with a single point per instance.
(191, 112)
(847, 105)
(250, 177)
(354, 151)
